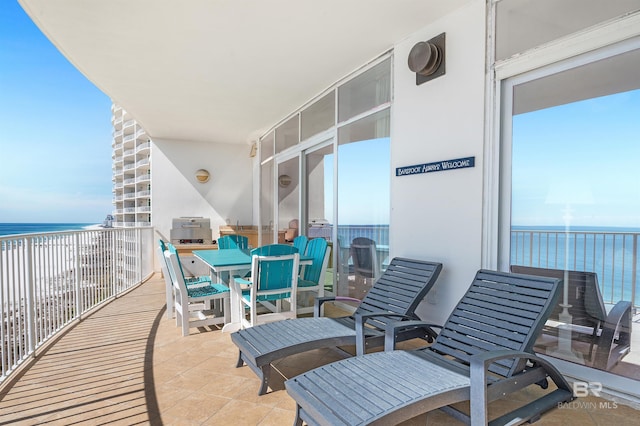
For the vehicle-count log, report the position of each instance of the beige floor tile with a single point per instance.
(128, 364)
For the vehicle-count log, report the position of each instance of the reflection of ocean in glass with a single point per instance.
(377, 233)
(612, 253)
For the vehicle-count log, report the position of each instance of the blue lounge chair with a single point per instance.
(606, 331)
(483, 353)
(394, 297)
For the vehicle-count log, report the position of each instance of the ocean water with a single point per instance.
(612, 253)
(35, 228)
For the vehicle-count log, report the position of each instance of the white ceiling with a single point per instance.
(223, 70)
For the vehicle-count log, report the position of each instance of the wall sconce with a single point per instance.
(254, 150)
(284, 181)
(202, 176)
(427, 59)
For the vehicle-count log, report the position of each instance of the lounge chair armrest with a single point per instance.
(393, 328)
(479, 368)
(617, 324)
(317, 306)
(361, 319)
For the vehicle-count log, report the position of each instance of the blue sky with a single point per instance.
(583, 155)
(55, 131)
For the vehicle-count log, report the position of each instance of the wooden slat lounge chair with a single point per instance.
(394, 297)
(608, 332)
(483, 353)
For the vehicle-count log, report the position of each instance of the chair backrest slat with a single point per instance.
(364, 256)
(271, 266)
(172, 249)
(233, 241)
(499, 311)
(316, 248)
(585, 299)
(300, 242)
(400, 288)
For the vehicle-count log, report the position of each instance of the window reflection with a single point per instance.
(363, 203)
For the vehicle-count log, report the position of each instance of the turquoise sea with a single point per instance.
(35, 228)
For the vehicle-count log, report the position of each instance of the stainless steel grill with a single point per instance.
(191, 230)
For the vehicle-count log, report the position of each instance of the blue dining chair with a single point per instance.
(274, 278)
(313, 276)
(300, 242)
(233, 241)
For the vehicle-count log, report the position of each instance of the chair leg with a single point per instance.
(178, 315)
(185, 325)
(266, 375)
(169, 291)
(226, 309)
(298, 420)
(240, 362)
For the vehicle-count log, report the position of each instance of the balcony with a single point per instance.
(143, 147)
(128, 364)
(124, 362)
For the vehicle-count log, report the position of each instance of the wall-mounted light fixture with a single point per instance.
(254, 150)
(284, 181)
(202, 176)
(427, 59)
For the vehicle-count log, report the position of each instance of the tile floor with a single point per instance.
(127, 364)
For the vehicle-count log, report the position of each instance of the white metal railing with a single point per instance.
(49, 280)
(128, 123)
(143, 178)
(143, 146)
(612, 255)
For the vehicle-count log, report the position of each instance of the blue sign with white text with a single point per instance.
(438, 166)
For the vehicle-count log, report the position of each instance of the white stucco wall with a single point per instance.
(176, 192)
(438, 216)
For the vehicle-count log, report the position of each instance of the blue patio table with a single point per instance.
(232, 260)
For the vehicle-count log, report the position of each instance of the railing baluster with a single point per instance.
(598, 252)
(634, 276)
(48, 280)
(29, 299)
